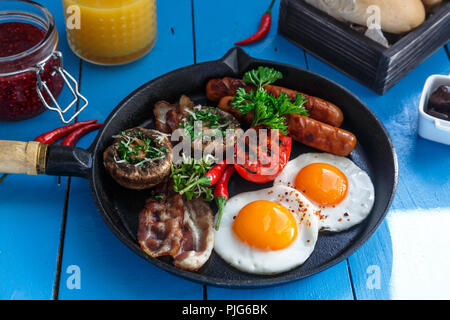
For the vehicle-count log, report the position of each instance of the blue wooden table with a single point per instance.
(54, 244)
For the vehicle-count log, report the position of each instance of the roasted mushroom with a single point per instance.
(217, 131)
(139, 158)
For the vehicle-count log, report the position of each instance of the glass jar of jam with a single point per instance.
(31, 73)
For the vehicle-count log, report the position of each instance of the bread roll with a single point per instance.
(431, 3)
(397, 16)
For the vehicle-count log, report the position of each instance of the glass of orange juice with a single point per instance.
(110, 32)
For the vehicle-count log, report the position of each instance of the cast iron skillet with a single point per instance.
(120, 207)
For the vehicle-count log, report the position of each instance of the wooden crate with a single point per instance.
(348, 50)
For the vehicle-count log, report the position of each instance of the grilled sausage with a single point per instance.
(226, 104)
(320, 135)
(318, 109)
(308, 131)
(216, 89)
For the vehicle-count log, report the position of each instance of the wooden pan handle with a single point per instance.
(22, 157)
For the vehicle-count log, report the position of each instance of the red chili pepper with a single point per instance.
(54, 135)
(221, 192)
(209, 179)
(73, 137)
(264, 28)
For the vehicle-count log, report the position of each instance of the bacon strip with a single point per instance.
(181, 229)
(198, 240)
(160, 226)
(160, 110)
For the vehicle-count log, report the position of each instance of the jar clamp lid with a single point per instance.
(74, 89)
(32, 74)
(41, 85)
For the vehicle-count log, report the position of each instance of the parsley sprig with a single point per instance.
(188, 171)
(268, 110)
(262, 76)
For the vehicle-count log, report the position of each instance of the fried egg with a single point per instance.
(343, 192)
(267, 231)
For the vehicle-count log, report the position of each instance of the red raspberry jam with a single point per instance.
(18, 97)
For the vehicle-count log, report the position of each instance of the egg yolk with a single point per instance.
(265, 225)
(322, 183)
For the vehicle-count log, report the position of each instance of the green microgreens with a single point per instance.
(188, 171)
(135, 143)
(210, 119)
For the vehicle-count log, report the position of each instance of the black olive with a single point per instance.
(440, 99)
(439, 115)
(439, 103)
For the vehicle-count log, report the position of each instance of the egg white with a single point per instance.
(358, 201)
(253, 260)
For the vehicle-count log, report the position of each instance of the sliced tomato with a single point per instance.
(269, 162)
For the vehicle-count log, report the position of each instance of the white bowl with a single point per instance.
(430, 127)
